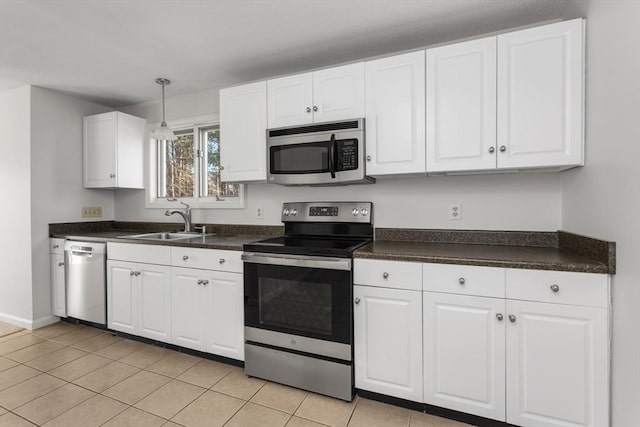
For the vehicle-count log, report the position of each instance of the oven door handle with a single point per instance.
(325, 263)
(332, 155)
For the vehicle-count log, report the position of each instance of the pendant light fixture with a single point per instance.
(163, 132)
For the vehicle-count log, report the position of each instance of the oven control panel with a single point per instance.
(327, 212)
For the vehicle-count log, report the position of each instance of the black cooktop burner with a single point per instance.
(307, 246)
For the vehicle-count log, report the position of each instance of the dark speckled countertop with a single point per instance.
(560, 251)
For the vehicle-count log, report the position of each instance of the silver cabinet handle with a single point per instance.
(205, 282)
(385, 275)
(503, 148)
(461, 280)
(499, 316)
(222, 260)
(315, 108)
(221, 167)
(185, 257)
(357, 300)
(132, 273)
(60, 264)
(368, 158)
(137, 273)
(512, 318)
(112, 175)
(492, 149)
(308, 109)
(199, 281)
(56, 246)
(555, 288)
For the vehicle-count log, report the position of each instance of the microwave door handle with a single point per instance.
(332, 150)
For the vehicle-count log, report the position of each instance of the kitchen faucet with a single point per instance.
(186, 215)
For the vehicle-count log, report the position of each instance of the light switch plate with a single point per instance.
(91, 211)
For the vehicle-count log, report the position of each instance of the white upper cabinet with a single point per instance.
(540, 96)
(243, 126)
(113, 146)
(395, 114)
(326, 95)
(461, 106)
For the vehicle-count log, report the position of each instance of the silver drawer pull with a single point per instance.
(132, 273)
(512, 318)
(56, 246)
(205, 282)
(461, 280)
(199, 281)
(221, 260)
(357, 300)
(137, 273)
(60, 264)
(385, 275)
(499, 316)
(555, 288)
(185, 257)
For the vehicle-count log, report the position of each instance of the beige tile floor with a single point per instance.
(72, 375)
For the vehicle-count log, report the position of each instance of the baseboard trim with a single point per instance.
(28, 324)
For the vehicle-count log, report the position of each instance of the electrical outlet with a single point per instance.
(259, 213)
(455, 212)
(91, 211)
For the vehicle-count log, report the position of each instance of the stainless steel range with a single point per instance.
(298, 292)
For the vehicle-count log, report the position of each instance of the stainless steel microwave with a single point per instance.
(330, 153)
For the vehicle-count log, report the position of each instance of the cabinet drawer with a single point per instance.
(210, 259)
(148, 254)
(388, 274)
(585, 289)
(464, 279)
(56, 246)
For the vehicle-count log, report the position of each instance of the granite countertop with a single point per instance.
(537, 258)
(225, 242)
(560, 251)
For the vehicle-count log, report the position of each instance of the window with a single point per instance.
(189, 169)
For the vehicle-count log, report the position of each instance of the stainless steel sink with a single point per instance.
(166, 236)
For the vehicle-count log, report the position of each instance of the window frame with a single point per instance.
(153, 165)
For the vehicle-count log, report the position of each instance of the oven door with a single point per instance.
(298, 302)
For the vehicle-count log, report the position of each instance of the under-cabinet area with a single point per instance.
(528, 347)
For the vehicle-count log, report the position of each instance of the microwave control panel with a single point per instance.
(347, 154)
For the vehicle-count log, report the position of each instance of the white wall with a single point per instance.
(15, 205)
(603, 198)
(57, 194)
(528, 201)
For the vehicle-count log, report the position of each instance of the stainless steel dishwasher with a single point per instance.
(85, 281)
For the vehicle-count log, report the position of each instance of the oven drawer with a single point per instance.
(388, 274)
(209, 259)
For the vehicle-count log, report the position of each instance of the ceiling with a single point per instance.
(110, 51)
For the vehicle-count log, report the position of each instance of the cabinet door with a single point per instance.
(540, 96)
(461, 106)
(189, 308)
(464, 359)
(100, 133)
(122, 297)
(154, 303)
(338, 93)
(58, 295)
(388, 341)
(130, 151)
(395, 114)
(557, 365)
(290, 100)
(243, 124)
(225, 324)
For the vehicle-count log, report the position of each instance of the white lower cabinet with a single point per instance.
(208, 311)
(58, 291)
(464, 353)
(139, 299)
(557, 365)
(388, 341)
